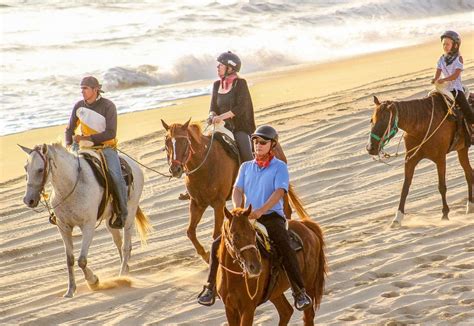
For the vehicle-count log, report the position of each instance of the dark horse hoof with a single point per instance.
(184, 196)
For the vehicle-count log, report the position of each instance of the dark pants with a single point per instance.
(277, 232)
(464, 105)
(245, 147)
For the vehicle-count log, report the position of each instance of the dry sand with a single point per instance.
(422, 273)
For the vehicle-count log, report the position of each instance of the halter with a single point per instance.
(46, 170)
(190, 151)
(389, 133)
(236, 254)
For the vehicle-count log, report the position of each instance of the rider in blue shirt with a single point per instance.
(262, 183)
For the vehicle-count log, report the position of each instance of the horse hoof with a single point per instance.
(68, 294)
(94, 286)
(395, 225)
(445, 218)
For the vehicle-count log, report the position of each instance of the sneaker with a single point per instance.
(117, 223)
(207, 297)
(302, 300)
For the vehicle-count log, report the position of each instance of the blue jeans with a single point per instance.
(119, 186)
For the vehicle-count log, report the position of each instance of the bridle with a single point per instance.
(236, 254)
(188, 153)
(389, 133)
(46, 171)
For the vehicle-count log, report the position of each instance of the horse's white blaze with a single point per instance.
(469, 207)
(173, 140)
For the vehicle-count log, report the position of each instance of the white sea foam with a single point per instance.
(137, 48)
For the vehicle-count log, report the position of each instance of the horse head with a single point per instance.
(177, 146)
(384, 125)
(37, 169)
(241, 240)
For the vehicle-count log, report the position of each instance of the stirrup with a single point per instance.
(305, 305)
(206, 288)
(117, 223)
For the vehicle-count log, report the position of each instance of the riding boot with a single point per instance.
(207, 297)
(118, 185)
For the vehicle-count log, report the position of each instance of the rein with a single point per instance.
(425, 138)
(44, 195)
(238, 259)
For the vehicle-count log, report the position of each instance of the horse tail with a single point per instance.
(143, 225)
(297, 204)
(321, 269)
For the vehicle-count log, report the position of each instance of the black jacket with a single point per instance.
(242, 106)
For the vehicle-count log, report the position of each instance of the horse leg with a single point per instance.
(409, 171)
(233, 316)
(127, 246)
(441, 167)
(117, 237)
(218, 219)
(195, 214)
(247, 317)
(284, 308)
(466, 166)
(66, 234)
(87, 235)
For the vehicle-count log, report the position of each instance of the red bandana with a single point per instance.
(227, 81)
(265, 162)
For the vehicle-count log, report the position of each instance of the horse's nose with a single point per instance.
(30, 202)
(176, 171)
(371, 149)
(254, 269)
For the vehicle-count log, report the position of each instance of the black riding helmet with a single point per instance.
(453, 36)
(266, 132)
(229, 59)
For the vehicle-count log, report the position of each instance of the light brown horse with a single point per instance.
(210, 175)
(243, 273)
(414, 118)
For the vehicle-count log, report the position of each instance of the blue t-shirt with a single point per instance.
(258, 184)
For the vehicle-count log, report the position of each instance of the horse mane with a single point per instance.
(418, 111)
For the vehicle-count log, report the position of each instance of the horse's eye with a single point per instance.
(371, 120)
(40, 170)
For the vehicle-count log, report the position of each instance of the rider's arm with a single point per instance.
(454, 76)
(71, 127)
(272, 201)
(238, 199)
(436, 77)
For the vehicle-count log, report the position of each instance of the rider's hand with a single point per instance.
(217, 119)
(209, 119)
(255, 214)
(433, 80)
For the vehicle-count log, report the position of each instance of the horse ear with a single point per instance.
(249, 210)
(44, 149)
(227, 213)
(165, 125)
(185, 126)
(25, 149)
(376, 100)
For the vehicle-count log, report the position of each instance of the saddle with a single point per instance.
(226, 138)
(464, 130)
(97, 163)
(267, 250)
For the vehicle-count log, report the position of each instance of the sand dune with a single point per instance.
(422, 273)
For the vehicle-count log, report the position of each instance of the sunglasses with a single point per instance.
(260, 141)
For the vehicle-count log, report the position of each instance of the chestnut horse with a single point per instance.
(243, 273)
(210, 174)
(428, 134)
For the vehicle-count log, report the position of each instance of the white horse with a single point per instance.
(75, 200)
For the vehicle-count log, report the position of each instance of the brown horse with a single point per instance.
(428, 134)
(243, 273)
(210, 175)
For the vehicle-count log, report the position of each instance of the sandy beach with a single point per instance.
(422, 273)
